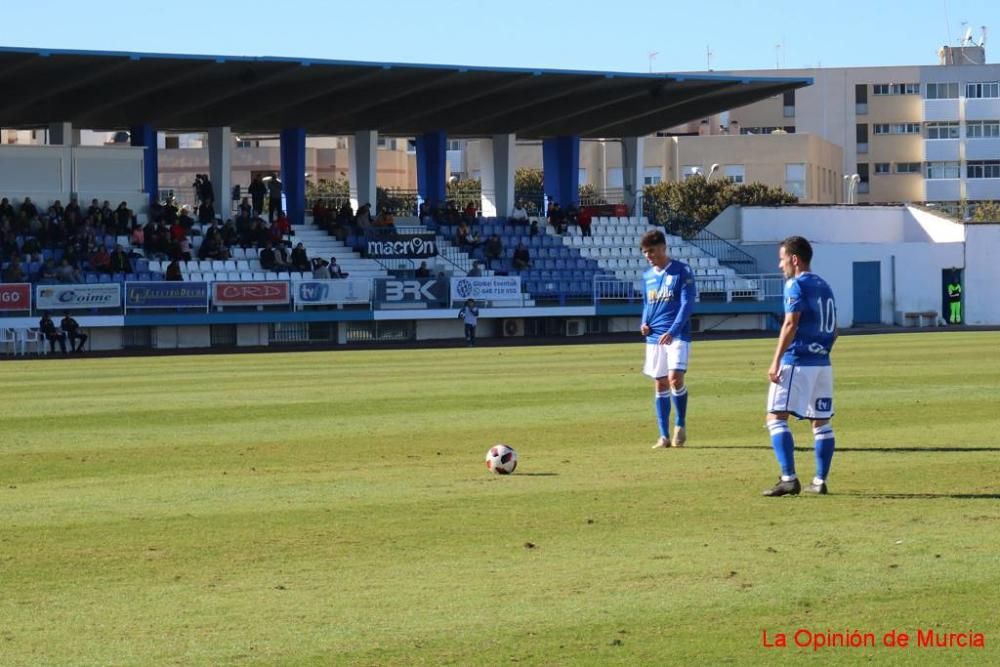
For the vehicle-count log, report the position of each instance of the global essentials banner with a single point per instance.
(166, 295)
(105, 295)
(486, 288)
(332, 292)
(392, 245)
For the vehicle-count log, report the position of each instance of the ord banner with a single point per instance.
(166, 295)
(269, 293)
(393, 245)
(428, 291)
(331, 292)
(486, 288)
(15, 296)
(104, 295)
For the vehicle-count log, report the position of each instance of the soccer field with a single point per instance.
(321, 508)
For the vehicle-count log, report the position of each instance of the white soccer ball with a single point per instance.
(501, 459)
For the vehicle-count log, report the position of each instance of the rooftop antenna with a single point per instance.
(708, 57)
(651, 55)
(982, 40)
(777, 53)
(947, 22)
(966, 34)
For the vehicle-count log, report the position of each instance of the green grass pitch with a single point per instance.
(322, 508)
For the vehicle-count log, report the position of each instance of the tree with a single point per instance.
(986, 211)
(528, 180)
(462, 191)
(337, 191)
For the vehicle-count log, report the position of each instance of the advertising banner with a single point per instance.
(486, 288)
(428, 290)
(331, 292)
(392, 245)
(53, 297)
(15, 296)
(166, 295)
(269, 293)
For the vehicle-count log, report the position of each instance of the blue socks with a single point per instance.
(662, 404)
(784, 448)
(680, 399)
(824, 450)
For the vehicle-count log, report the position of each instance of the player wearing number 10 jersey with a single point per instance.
(801, 375)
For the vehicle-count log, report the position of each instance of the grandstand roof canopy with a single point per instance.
(109, 91)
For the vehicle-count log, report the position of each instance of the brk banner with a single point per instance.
(332, 292)
(15, 296)
(486, 288)
(105, 295)
(269, 293)
(166, 295)
(392, 245)
(428, 291)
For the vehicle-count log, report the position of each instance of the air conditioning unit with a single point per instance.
(511, 327)
(576, 327)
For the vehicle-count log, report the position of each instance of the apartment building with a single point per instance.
(911, 133)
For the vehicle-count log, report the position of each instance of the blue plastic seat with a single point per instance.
(104, 278)
(91, 279)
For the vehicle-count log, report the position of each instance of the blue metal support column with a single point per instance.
(561, 169)
(293, 172)
(431, 166)
(145, 136)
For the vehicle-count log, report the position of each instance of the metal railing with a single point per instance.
(745, 287)
(728, 254)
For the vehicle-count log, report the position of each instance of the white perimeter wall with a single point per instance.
(982, 274)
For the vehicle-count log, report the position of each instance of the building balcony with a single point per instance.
(982, 149)
(940, 110)
(982, 109)
(982, 189)
(943, 189)
(941, 150)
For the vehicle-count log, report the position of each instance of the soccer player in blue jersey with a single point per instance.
(801, 375)
(668, 296)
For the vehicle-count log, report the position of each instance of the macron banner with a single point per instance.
(486, 288)
(331, 292)
(391, 245)
(270, 293)
(105, 295)
(15, 296)
(166, 295)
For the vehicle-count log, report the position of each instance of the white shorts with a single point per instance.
(661, 359)
(804, 391)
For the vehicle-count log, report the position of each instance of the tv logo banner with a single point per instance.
(429, 290)
(392, 245)
(268, 293)
(486, 288)
(332, 292)
(50, 297)
(15, 296)
(166, 295)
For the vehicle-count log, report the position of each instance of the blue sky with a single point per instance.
(616, 35)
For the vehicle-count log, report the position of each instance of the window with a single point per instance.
(881, 167)
(737, 173)
(795, 179)
(983, 169)
(896, 128)
(615, 178)
(864, 175)
(861, 135)
(861, 98)
(942, 91)
(896, 89)
(907, 167)
(942, 170)
(687, 171)
(454, 144)
(789, 104)
(790, 129)
(581, 175)
(976, 129)
(982, 89)
(651, 175)
(948, 130)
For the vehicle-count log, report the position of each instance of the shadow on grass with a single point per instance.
(537, 474)
(910, 496)
(889, 450)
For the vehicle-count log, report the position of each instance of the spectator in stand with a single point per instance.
(100, 260)
(51, 333)
(384, 219)
(6, 210)
(259, 235)
(469, 214)
(14, 273)
(230, 237)
(245, 210)
(257, 191)
(423, 271)
(363, 220)
(572, 215)
(268, 258)
(137, 240)
(557, 218)
(424, 213)
(119, 261)
(48, 272)
(320, 269)
(72, 208)
(123, 218)
(522, 258)
(212, 248)
(452, 215)
(173, 272)
(207, 190)
(184, 218)
(107, 216)
(492, 250)
(206, 213)
(300, 260)
(584, 220)
(28, 209)
(335, 270)
(464, 238)
(66, 273)
(476, 271)
(273, 197)
(283, 224)
(71, 330)
(519, 216)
